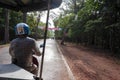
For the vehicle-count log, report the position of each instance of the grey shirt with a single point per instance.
(22, 50)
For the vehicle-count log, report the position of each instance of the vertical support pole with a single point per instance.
(45, 36)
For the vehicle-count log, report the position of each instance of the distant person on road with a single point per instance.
(23, 48)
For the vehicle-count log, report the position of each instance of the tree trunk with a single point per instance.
(75, 6)
(110, 40)
(6, 36)
(24, 17)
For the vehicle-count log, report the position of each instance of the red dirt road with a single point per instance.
(89, 64)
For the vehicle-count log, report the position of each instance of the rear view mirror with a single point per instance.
(41, 45)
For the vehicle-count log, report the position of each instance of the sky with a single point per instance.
(53, 13)
(43, 19)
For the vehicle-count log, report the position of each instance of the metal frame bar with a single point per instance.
(45, 36)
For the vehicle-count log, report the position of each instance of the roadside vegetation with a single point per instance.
(88, 22)
(91, 23)
(10, 18)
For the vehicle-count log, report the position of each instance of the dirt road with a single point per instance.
(89, 64)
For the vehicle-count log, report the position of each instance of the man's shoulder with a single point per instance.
(14, 40)
(30, 39)
(27, 39)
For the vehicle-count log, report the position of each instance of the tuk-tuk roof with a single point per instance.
(29, 5)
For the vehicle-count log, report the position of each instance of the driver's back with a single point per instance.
(22, 50)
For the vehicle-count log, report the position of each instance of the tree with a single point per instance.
(2, 24)
(96, 24)
(34, 22)
(6, 38)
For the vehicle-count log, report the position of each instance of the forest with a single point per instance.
(10, 18)
(87, 22)
(91, 23)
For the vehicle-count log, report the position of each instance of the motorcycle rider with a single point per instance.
(23, 48)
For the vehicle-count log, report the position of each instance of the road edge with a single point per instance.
(71, 76)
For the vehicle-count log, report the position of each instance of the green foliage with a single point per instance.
(64, 23)
(17, 17)
(32, 22)
(14, 18)
(97, 24)
(92, 24)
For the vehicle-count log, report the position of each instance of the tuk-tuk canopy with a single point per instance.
(29, 5)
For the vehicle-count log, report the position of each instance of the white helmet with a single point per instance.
(21, 29)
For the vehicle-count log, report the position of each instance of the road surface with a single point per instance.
(54, 67)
